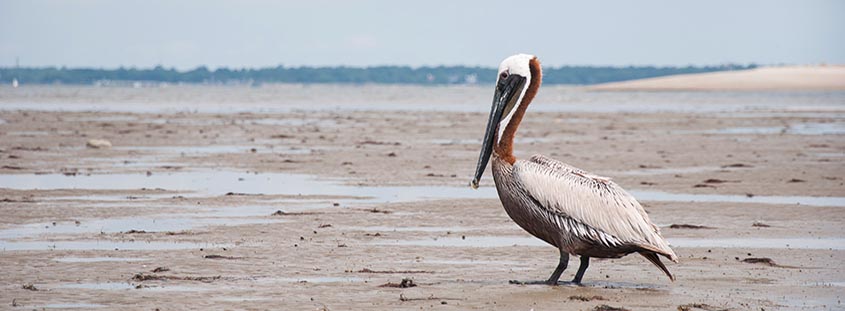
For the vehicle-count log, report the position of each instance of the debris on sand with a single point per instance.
(325, 226)
(718, 181)
(702, 306)
(98, 144)
(29, 287)
(160, 269)
(376, 210)
(220, 257)
(373, 142)
(24, 200)
(764, 261)
(795, 180)
(406, 283)
(241, 194)
(12, 167)
(283, 213)
(366, 270)
(609, 308)
(736, 165)
(703, 186)
(153, 277)
(432, 297)
(760, 225)
(29, 148)
(688, 226)
(377, 234)
(133, 231)
(585, 298)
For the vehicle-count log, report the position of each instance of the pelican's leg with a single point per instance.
(564, 261)
(585, 262)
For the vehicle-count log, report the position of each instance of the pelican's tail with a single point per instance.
(656, 261)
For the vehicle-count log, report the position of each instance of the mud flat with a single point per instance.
(311, 197)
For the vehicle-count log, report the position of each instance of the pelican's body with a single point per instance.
(577, 212)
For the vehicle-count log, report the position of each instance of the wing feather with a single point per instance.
(609, 214)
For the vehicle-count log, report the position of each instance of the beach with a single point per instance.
(327, 197)
(771, 78)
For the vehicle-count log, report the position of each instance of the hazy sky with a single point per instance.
(188, 33)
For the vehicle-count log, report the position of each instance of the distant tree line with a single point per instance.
(348, 75)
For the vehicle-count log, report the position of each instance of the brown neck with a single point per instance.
(504, 149)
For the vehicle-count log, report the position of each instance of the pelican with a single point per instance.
(577, 212)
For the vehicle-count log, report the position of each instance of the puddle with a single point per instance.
(215, 183)
(658, 196)
(155, 223)
(470, 241)
(241, 299)
(28, 133)
(103, 245)
(662, 171)
(100, 286)
(128, 286)
(115, 197)
(826, 284)
(470, 262)
(412, 229)
(777, 243)
(212, 149)
(67, 306)
(98, 259)
(510, 241)
(474, 141)
(293, 122)
(113, 118)
(319, 279)
(793, 129)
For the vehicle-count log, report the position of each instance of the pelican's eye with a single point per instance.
(503, 75)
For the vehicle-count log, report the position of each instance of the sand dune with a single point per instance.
(792, 78)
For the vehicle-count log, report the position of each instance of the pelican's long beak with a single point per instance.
(503, 99)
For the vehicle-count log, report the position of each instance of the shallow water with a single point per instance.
(659, 196)
(217, 99)
(150, 224)
(412, 229)
(793, 129)
(663, 171)
(319, 279)
(67, 306)
(101, 245)
(130, 286)
(212, 149)
(215, 183)
(98, 259)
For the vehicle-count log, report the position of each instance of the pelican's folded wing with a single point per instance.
(591, 200)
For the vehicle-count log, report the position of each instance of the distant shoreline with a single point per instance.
(453, 75)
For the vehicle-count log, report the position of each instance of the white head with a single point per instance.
(518, 64)
(514, 80)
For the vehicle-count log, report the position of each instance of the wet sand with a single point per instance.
(307, 208)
